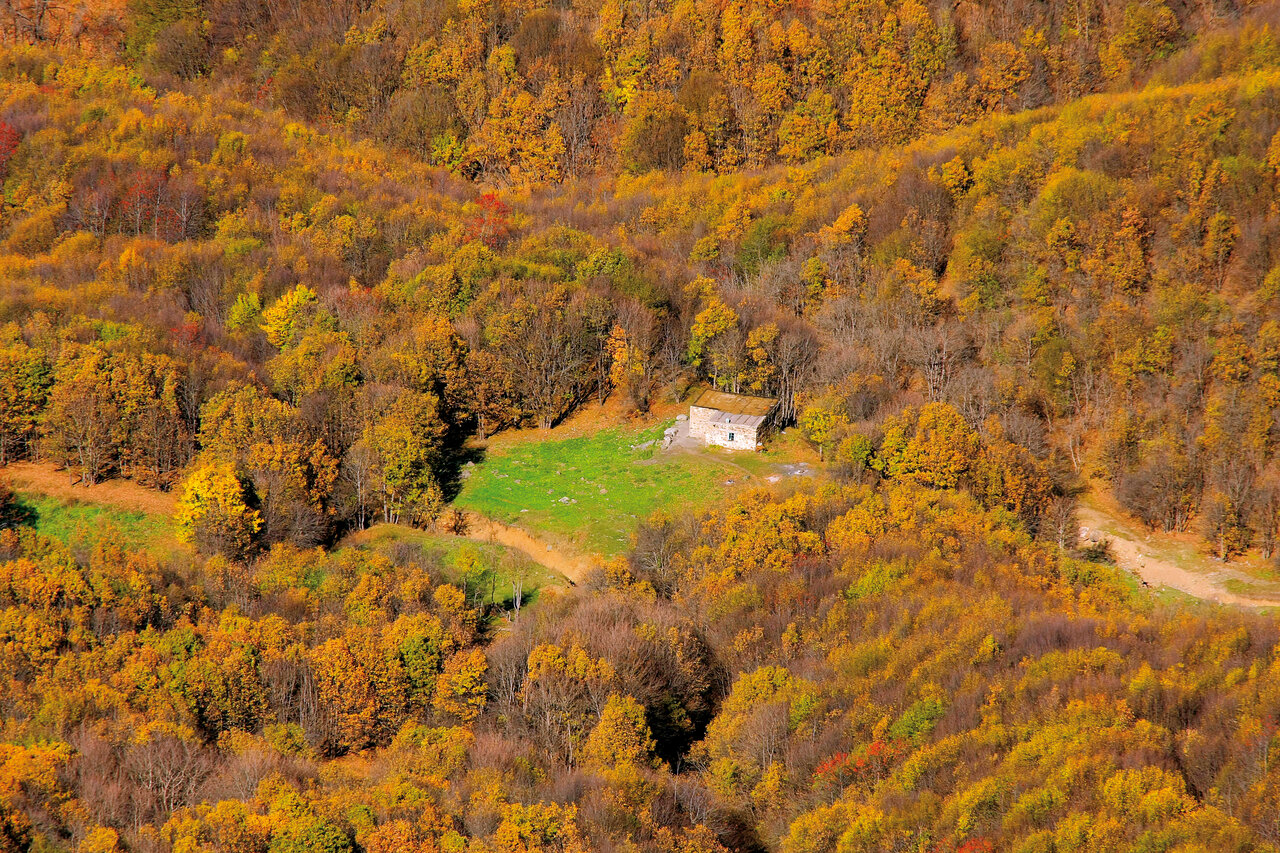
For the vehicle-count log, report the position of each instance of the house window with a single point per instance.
(731, 436)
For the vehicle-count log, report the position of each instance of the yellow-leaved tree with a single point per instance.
(286, 319)
(934, 447)
(461, 688)
(213, 512)
(621, 737)
(406, 441)
(821, 423)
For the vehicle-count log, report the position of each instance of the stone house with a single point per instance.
(735, 421)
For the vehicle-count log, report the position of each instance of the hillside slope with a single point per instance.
(219, 280)
(1091, 287)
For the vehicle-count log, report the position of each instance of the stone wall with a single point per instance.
(700, 422)
(701, 427)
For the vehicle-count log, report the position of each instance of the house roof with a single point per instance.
(730, 419)
(735, 404)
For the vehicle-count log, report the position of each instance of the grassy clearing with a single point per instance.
(1248, 587)
(83, 525)
(591, 491)
(486, 570)
(783, 449)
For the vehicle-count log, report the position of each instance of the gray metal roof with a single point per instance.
(731, 419)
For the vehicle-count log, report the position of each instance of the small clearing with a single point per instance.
(586, 493)
(47, 479)
(1166, 561)
(120, 512)
(572, 566)
(584, 487)
(475, 561)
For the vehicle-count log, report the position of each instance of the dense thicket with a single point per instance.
(533, 91)
(848, 668)
(192, 282)
(287, 258)
(192, 285)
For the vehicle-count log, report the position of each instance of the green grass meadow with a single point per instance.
(586, 493)
(485, 569)
(81, 526)
(591, 492)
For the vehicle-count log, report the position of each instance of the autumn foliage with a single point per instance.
(295, 262)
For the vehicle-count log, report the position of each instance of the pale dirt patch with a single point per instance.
(1136, 555)
(573, 566)
(47, 479)
(589, 419)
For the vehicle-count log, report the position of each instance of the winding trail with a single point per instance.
(1133, 552)
(47, 479)
(1139, 558)
(483, 529)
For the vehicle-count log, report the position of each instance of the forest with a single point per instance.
(292, 263)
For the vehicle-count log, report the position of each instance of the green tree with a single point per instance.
(406, 439)
(24, 388)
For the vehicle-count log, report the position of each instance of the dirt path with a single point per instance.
(482, 529)
(45, 478)
(1134, 556)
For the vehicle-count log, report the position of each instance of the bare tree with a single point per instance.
(34, 21)
(576, 119)
(357, 470)
(545, 345)
(1061, 522)
(937, 352)
(170, 771)
(794, 357)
